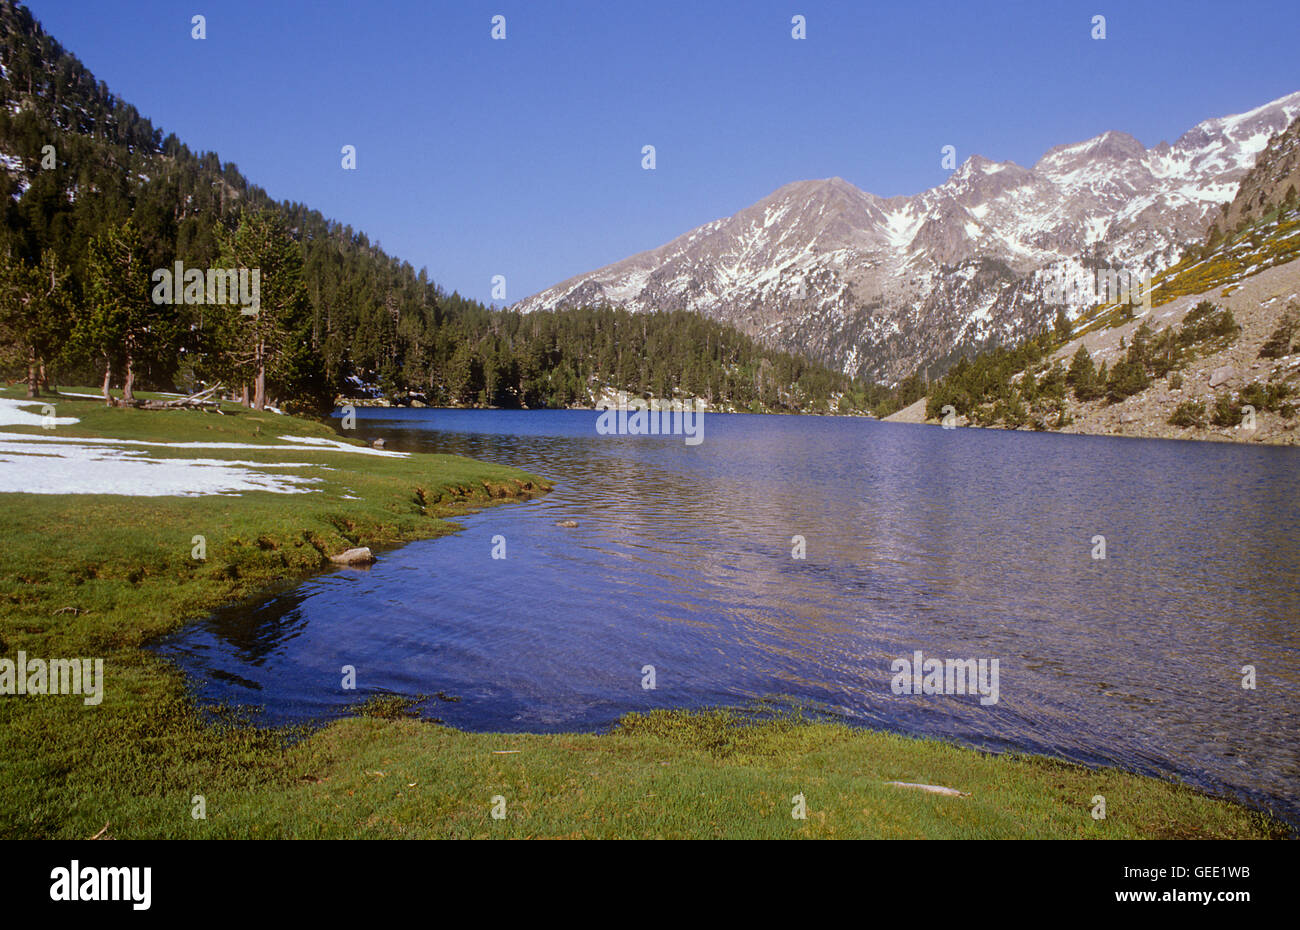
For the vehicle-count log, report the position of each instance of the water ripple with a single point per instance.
(961, 544)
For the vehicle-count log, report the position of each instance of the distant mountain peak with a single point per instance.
(877, 286)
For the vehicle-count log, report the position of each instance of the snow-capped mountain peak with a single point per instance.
(878, 286)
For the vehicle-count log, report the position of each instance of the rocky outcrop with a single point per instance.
(1272, 182)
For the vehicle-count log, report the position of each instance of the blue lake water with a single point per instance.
(959, 543)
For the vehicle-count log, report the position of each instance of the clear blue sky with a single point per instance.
(522, 157)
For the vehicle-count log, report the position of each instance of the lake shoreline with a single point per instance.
(914, 415)
(386, 404)
(129, 761)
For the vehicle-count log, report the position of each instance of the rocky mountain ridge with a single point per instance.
(878, 287)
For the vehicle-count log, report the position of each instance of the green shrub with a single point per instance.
(1139, 349)
(984, 416)
(1208, 325)
(1256, 395)
(1268, 396)
(1189, 413)
(1010, 412)
(1278, 343)
(1227, 411)
(1165, 354)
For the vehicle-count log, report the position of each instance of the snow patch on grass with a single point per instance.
(41, 463)
(11, 415)
(78, 467)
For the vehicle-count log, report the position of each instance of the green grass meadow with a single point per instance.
(103, 575)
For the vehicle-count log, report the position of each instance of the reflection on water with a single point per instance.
(962, 544)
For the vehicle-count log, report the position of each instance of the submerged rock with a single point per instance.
(570, 524)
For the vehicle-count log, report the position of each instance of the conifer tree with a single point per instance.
(1082, 376)
(35, 315)
(1062, 326)
(270, 339)
(122, 325)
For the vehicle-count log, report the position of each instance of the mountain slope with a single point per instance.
(1271, 182)
(374, 320)
(1216, 355)
(878, 286)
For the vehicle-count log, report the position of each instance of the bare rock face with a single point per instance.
(1274, 180)
(878, 286)
(359, 556)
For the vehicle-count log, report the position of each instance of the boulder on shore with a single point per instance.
(360, 556)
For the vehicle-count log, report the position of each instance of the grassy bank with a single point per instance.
(101, 575)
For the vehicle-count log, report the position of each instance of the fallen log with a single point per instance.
(180, 404)
(200, 400)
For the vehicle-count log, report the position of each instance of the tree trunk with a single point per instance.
(243, 396)
(259, 389)
(128, 381)
(108, 379)
(33, 378)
